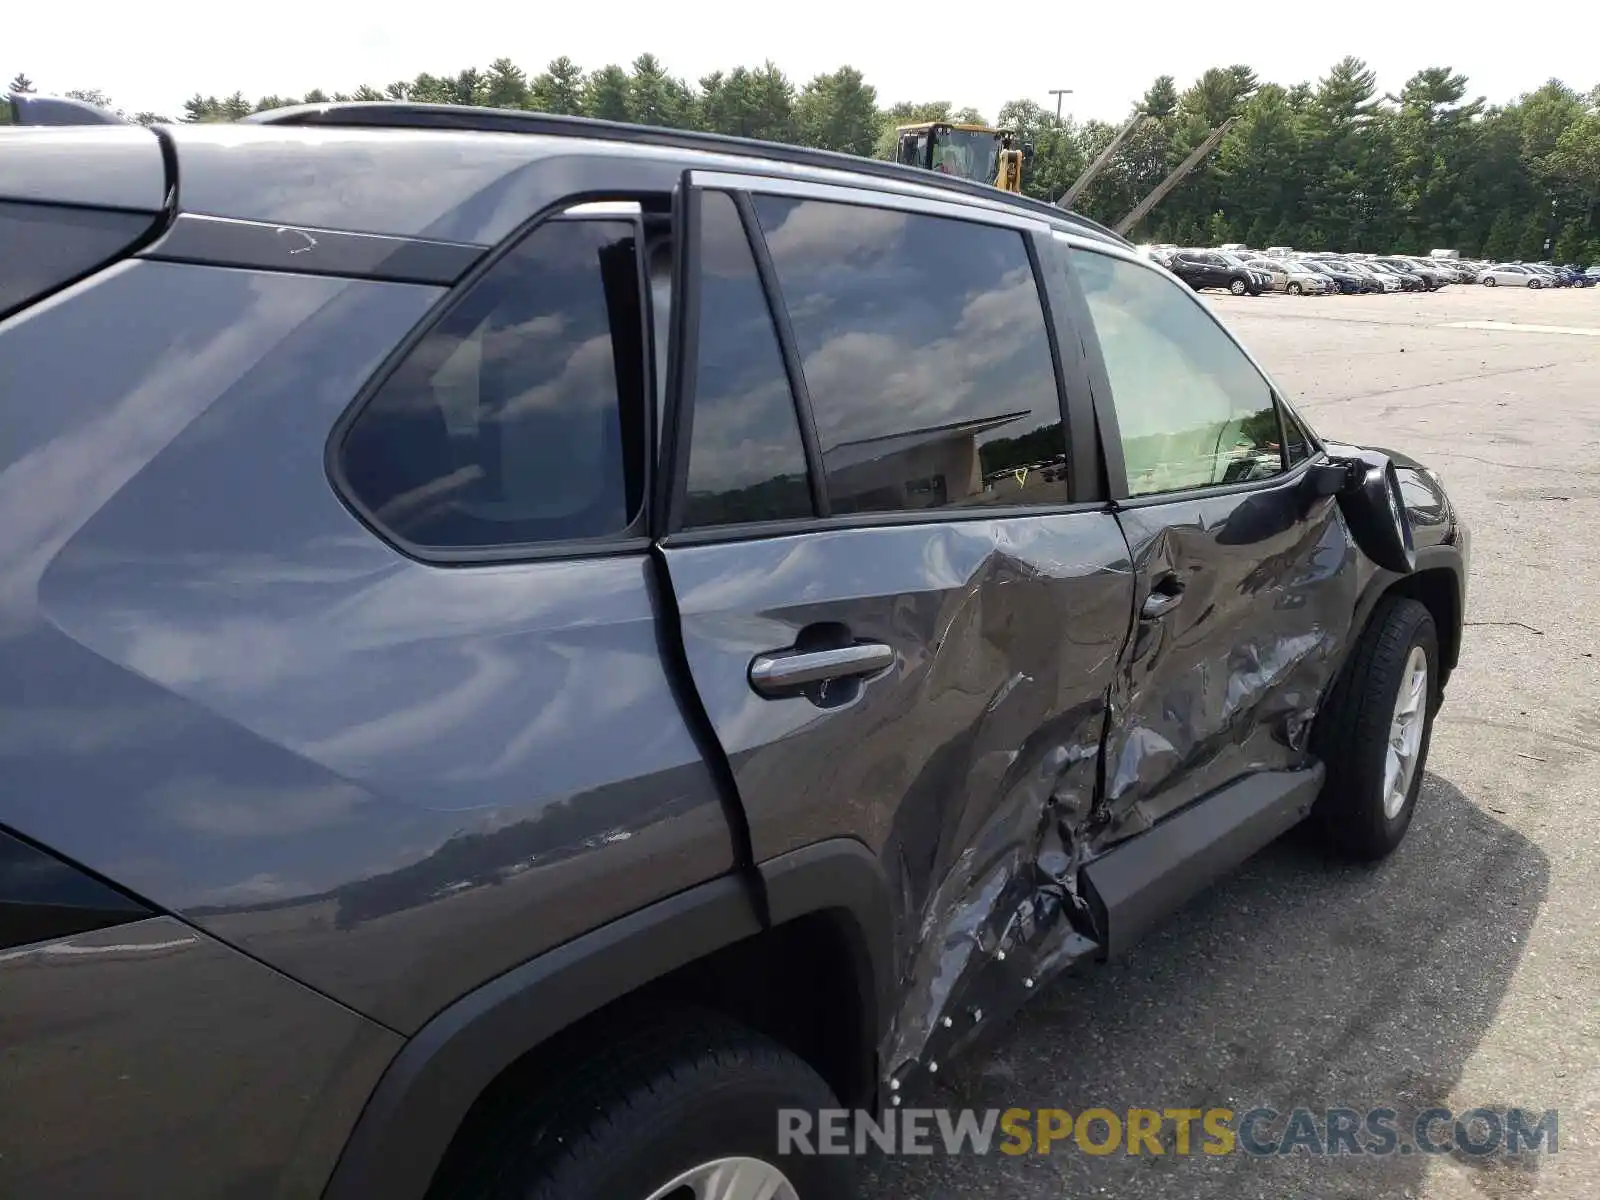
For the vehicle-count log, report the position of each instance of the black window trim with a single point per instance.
(1071, 377)
(634, 539)
(1105, 404)
(799, 390)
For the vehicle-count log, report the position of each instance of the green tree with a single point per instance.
(838, 111)
(606, 94)
(1218, 230)
(1430, 133)
(1573, 164)
(559, 88)
(1501, 244)
(755, 104)
(655, 97)
(506, 85)
(1571, 244)
(1161, 98)
(1531, 239)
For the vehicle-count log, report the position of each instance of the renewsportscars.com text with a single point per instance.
(1169, 1131)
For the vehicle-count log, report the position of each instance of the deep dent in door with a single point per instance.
(969, 767)
(1230, 683)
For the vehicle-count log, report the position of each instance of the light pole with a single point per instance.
(1058, 93)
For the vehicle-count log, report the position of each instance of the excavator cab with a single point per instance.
(977, 152)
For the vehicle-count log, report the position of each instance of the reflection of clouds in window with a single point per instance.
(831, 233)
(504, 424)
(908, 322)
(746, 461)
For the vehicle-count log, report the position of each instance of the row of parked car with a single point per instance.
(1246, 272)
(1537, 275)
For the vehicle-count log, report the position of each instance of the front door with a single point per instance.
(900, 596)
(1246, 581)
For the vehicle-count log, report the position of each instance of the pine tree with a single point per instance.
(506, 85)
(559, 89)
(838, 111)
(1218, 229)
(1530, 241)
(1570, 245)
(1501, 244)
(606, 94)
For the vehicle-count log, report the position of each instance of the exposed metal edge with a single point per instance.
(265, 246)
(1137, 884)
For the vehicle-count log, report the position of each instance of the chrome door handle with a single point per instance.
(781, 672)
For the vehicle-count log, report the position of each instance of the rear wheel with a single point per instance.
(1373, 733)
(1489, 281)
(683, 1110)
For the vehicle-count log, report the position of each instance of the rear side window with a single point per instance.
(518, 418)
(926, 355)
(746, 459)
(44, 247)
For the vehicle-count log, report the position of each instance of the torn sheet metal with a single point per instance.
(1008, 912)
(1223, 685)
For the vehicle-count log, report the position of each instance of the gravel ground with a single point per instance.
(1465, 971)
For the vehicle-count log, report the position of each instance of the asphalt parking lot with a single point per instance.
(1465, 971)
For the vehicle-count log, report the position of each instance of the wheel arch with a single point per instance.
(830, 929)
(1438, 583)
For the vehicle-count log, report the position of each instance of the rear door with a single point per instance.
(901, 593)
(1246, 581)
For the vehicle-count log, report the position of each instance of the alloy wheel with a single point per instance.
(1405, 732)
(729, 1179)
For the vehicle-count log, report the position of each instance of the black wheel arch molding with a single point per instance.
(427, 1092)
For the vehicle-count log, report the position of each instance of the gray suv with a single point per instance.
(530, 645)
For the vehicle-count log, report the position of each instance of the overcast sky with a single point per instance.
(153, 58)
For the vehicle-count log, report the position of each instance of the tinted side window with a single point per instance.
(926, 355)
(518, 418)
(1193, 410)
(746, 460)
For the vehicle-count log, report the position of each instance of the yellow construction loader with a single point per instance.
(980, 153)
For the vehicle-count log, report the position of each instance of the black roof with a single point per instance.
(406, 115)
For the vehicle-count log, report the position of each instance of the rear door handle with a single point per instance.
(782, 672)
(1163, 598)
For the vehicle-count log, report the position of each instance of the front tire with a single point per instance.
(1534, 285)
(1374, 732)
(1295, 289)
(685, 1108)
(1238, 287)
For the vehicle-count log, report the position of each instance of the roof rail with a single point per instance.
(405, 115)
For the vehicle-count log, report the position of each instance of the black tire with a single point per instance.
(1294, 289)
(650, 1105)
(1352, 734)
(1489, 282)
(1534, 285)
(1238, 286)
